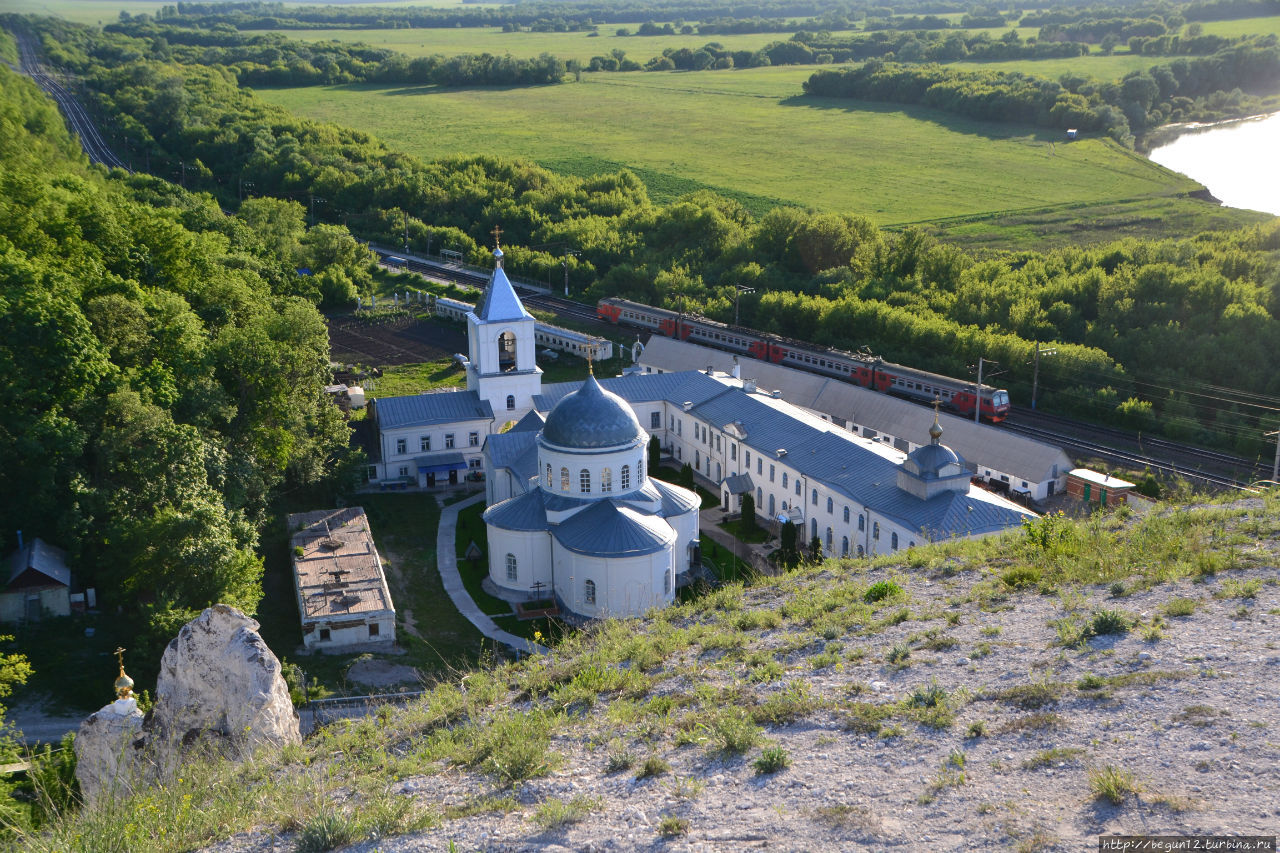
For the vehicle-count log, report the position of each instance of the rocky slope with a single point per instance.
(1034, 692)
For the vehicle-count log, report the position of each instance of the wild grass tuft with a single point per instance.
(733, 733)
(881, 591)
(771, 760)
(619, 760)
(1180, 606)
(672, 827)
(1112, 784)
(1108, 621)
(326, 831)
(654, 765)
(555, 813)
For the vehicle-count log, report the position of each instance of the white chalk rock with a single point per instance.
(108, 751)
(218, 678)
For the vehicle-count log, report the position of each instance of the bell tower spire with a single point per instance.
(501, 345)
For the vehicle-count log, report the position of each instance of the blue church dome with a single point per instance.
(591, 417)
(928, 460)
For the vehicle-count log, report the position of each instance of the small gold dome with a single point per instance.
(124, 684)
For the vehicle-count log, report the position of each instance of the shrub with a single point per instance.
(734, 733)
(1180, 606)
(898, 654)
(619, 760)
(771, 760)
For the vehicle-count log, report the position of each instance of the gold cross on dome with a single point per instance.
(591, 357)
(497, 236)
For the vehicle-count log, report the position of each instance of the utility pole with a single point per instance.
(1035, 376)
(738, 291)
(977, 396)
(569, 253)
(311, 202)
(405, 214)
(1275, 466)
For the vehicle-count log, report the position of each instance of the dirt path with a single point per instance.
(391, 562)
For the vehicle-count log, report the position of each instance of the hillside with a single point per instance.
(1005, 691)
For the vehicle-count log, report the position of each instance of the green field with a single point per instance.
(581, 46)
(740, 133)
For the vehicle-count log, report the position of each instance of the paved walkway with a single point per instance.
(447, 563)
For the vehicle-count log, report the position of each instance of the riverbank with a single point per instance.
(1234, 160)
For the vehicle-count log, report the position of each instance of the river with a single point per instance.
(1236, 160)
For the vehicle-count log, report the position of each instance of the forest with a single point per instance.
(1228, 83)
(166, 363)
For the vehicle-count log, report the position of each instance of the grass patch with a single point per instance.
(1180, 607)
(1112, 784)
(654, 765)
(1037, 722)
(1027, 697)
(772, 759)
(672, 827)
(1053, 757)
(882, 591)
(555, 814)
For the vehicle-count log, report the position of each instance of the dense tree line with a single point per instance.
(166, 364)
(1191, 311)
(1201, 88)
(265, 15)
(274, 60)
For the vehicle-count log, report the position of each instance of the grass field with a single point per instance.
(748, 134)
(581, 46)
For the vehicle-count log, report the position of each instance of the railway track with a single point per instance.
(1173, 454)
(1128, 459)
(76, 116)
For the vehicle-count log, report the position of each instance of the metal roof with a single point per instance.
(42, 558)
(525, 512)
(439, 463)
(531, 422)
(499, 302)
(439, 407)
(738, 484)
(591, 418)
(675, 500)
(689, 386)
(516, 451)
(608, 530)
(982, 444)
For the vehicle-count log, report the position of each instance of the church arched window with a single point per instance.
(548, 476)
(507, 351)
(844, 546)
(828, 538)
(831, 506)
(893, 541)
(606, 480)
(512, 574)
(640, 471)
(511, 402)
(584, 481)
(564, 479)
(813, 528)
(666, 582)
(589, 592)
(626, 477)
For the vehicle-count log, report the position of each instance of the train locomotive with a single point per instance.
(868, 371)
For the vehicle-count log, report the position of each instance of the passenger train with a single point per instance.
(868, 371)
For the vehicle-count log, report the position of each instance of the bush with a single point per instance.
(1108, 621)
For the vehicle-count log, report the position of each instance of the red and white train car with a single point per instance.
(868, 371)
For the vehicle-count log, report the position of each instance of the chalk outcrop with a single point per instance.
(218, 679)
(220, 688)
(107, 747)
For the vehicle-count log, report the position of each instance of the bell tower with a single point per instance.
(500, 337)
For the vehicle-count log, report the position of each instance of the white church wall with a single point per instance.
(687, 528)
(623, 586)
(574, 462)
(532, 550)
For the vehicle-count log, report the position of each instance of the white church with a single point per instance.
(572, 511)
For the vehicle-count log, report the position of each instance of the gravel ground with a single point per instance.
(1195, 718)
